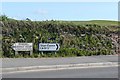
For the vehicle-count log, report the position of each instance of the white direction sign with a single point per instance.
(49, 46)
(23, 46)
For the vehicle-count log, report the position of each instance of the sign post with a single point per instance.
(48, 47)
(16, 52)
(23, 47)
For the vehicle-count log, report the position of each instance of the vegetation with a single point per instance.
(76, 38)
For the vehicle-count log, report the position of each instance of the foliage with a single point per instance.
(75, 38)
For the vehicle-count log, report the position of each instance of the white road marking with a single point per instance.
(36, 70)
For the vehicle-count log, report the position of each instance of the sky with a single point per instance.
(70, 11)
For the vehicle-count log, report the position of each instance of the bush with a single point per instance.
(70, 35)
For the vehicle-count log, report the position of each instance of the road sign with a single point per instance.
(23, 46)
(49, 46)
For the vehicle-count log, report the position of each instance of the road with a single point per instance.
(105, 72)
(23, 62)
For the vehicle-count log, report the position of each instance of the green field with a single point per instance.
(99, 22)
(112, 24)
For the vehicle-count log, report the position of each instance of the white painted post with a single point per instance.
(16, 52)
(31, 52)
(55, 52)
(42, 53)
